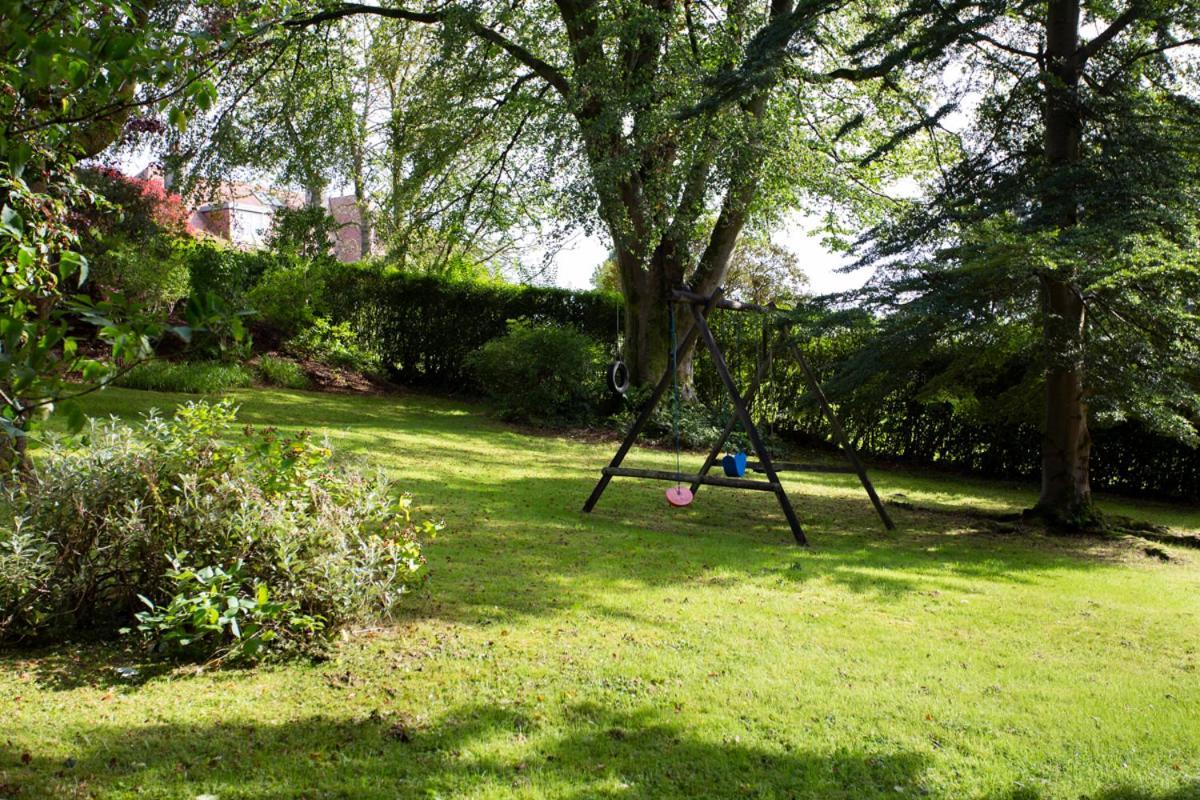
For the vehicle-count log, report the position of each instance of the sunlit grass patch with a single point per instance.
(643, 652)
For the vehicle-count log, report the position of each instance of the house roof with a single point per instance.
(212, 196)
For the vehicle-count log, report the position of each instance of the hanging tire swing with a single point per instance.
(617, 377)
(617, 374)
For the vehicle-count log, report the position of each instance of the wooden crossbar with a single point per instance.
(695, 298)
(679, 477)
(795, 466)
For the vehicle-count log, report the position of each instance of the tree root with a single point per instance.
(1093, 524)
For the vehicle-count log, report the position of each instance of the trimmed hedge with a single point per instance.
(892, 421)
(424, 327)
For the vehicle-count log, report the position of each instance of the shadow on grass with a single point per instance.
(517, 543)
(478, 748)
(68, 666)
(1188, 791)
(531, 532)
(597, 754)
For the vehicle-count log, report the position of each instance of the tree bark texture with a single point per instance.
(1066, 448)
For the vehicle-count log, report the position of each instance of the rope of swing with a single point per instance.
(675, 391)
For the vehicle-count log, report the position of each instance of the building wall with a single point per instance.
(251, 226)
(347, 239)
(248, 225)
(217, 222)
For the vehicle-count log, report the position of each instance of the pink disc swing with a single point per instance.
(678, 495)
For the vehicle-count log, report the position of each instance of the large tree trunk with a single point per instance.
(1066, 493)
(647, 321)
(314, 191)
(1067, 446)
(635, 214)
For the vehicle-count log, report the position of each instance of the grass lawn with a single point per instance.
(645, 652)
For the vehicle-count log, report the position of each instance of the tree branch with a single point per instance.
(1127, 18)
(544, 70)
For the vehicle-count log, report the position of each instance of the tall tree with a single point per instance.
(423, 137)
(613, 97)
(1072, 211)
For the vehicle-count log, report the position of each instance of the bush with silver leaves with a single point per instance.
(145, 524)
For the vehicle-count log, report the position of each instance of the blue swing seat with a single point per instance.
(734, 464)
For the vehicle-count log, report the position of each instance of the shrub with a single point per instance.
(209, 611)
(424, 327)
(154, 273)
(289, 295)
(699, 425)
(224, 271)
(541, 373)
(190, 378)
(306, 232)
(281, 372)
(337, 345)
(144, 207)
(217, 329)
(208, 541)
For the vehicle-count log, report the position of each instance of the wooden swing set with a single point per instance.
(700, 306)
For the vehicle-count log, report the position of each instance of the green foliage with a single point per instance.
(154, 274)
(700, 422)
(291, 293)
(224, 271)
(217, 328)
(424, 327)
(1060, 243)
(282, 372)
(139, 209)
(957, 403)
(304, 232)
(188, 515)
(541, 373)
(40, 271)
(760, 271)
(606, 277)
(71, 74)
(211, 614)
(763, 272)
(337, 345)
(195, 377)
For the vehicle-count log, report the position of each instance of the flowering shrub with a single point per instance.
(155, 528)
(132, 238)
(145, 208)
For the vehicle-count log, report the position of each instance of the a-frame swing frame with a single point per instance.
(700, 306)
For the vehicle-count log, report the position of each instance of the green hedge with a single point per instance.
(424, 328)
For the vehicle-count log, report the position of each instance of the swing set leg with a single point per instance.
(839, 434)
(761, 373)
(743, 416)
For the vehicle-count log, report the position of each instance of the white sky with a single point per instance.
(576, 262)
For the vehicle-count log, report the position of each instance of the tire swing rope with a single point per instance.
(617, 374)
(680, 495)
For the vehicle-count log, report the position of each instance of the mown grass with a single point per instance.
(282, 372)
(645, 652)
(202, 377)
